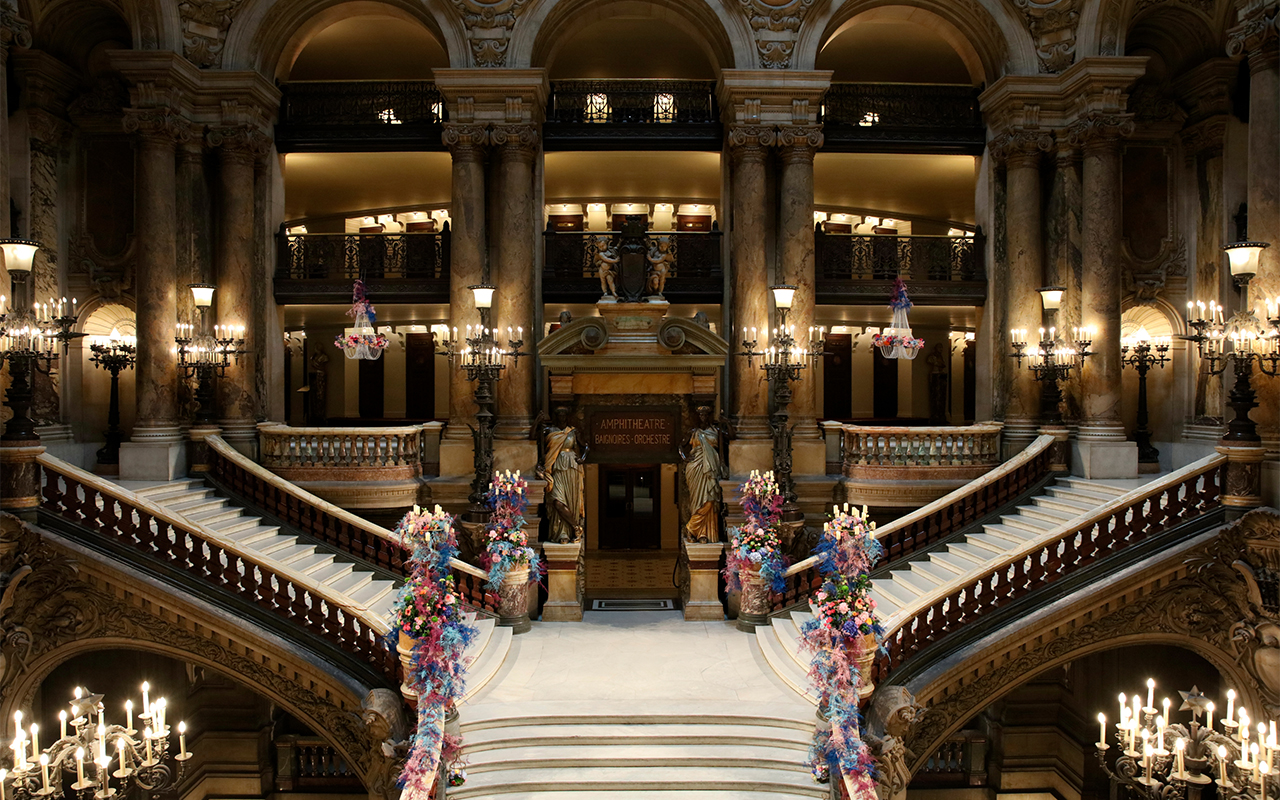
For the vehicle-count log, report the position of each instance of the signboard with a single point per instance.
(633, 434)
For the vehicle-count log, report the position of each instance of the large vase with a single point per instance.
(863, 650)
(513, 600)
(754, 609)
(405, 647)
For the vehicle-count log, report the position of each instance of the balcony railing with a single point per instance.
(309, 763)
(319, 267)
(630, 114)
(902, 117)
(569, 272)
(942, 270)
(347, 116)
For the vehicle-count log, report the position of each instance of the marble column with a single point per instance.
(154, 451)
(797, 145)
(1020, 151)
(1202, 145)
(468, 246)
(1104, 451)
(749, 276)
(235, 276)
(13, 31)
(1257, 38)
(48, 135)
(515, 145)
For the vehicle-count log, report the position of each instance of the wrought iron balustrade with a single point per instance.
(945, 270)
(319, 267)
(359, 115)
(656, 114)
(569, 272)
(903, 117)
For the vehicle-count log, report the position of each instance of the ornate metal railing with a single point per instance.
(311, 763)
(950, 450)
(569, 272)
(938, 520)
(940, 269)
(665, 114)
(353, 453)
(961, 760)
(88, 501)
(902, 117)
(1125, 521)
(359, 115)
(315, 267)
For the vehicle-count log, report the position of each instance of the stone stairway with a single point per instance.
(690, 749)
(311, 565)
(920, 574)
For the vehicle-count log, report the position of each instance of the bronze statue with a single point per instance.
(561, 468)
(704, 468)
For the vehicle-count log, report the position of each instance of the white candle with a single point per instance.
(80, 765)
(4, 773)
(1222, 765)
(146, 735)
(44, 770)
(35, 742)
(1209, 710)
(1231, 705)
(182, 738)
(146, 699)
(1151, 693)
(128, 715)
(1102, 729)
(62, 724)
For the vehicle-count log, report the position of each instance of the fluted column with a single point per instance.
(1020, 151)
(748, 147)
(1256, 37)
(239, 148)
(1099, 135)
(468, 246)
(797, 146)
(516, 145)
(156, 372)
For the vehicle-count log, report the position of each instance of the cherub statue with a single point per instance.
(606, 259)
(661, 259)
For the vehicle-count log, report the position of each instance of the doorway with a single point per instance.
(837, 377)
(630, 515)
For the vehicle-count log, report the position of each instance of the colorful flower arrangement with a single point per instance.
(362, 340)
(757, 545)
(894, 340)
(506, 543)
(429, 611)
(377, 341)
(843, 629)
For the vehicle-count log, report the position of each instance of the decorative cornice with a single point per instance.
(488, 24)
(1052, 24)
(776, 27)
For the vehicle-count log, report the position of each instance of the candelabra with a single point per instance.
(1137, 352)
(28, 341)
(143, 760)
(207, 355)
(114, 353)
(1052, 360)
(483, 360)
(1159, 759)
(783, 361)
(1240, 341)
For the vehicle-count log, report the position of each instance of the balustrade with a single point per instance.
(344, 453)
(668, 114)
(925, 447)
(351, 116)
(941, 269)
(959, 761)
(916, 118)
(321, 266)
(569, 271)
(311, 763)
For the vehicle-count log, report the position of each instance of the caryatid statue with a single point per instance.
(704, 468)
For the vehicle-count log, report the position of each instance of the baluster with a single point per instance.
(318, 616)
(297, 607)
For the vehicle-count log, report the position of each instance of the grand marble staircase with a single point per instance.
(908, 581)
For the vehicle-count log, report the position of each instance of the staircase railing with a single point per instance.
(86, 500)
(1115, 525)
(938, 520)
(326, 522)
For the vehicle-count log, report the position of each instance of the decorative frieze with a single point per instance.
(488, 24)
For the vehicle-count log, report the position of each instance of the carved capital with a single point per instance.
(1021, 147)
(1099, 131)
(13, 30)
(157, 125)
(1204, 139)
(48, 133)
(1256, 35)
(749, 142)
(519, 141)
(799, 142)
(488, 24)
(776, 26)
(465, 140)
(239, 143)
(1052, 24)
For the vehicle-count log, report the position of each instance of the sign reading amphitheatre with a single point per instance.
(633, 435)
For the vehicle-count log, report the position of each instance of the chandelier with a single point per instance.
(897, 341)
(88, 749)
(362, 340)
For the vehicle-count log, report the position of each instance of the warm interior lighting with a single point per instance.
(783, 295)
(202, 294)
(1051, 297)
(484, 295)
(1243, 257)
(664, 107)
(18, 254)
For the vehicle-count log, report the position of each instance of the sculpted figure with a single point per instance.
(661, 260)
(703, 469)
(561, 468)
(606, 266)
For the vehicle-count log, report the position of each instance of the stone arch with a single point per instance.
(543, 27)
(156, 25)
(1159, 316)
(990, 41)
(267, 36)
(73, 30)
(1104, 24)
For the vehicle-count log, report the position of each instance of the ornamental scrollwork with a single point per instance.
(1257, 32)
(1052, 24)
(1099, 129)
(776, 26)
(1021, 143)
(488, 24)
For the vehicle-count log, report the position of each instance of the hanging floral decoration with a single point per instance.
(506, 543)
(362, 339)
(843, 637)
(429, 612)
(897, 341)
(757, 545)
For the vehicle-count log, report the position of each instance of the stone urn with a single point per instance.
(754, 610)
(513, 600)
(405, 647)
(863, 651)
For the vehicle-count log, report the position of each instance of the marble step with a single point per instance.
(220, 518)
(1015, 536)
(1033, 524)
(788, 634)
(156, 492)
(649, 778)
(1065, 504)
(198, 506)
(254, 536)
(487, 654)
(786, 667)
(1080, 496)
(1052, 516)
(555, 735)
(686, 754)
(1095, 487)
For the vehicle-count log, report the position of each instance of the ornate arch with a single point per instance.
(1203, 596)
(1104, 24)
(267, 35)
(990, 40)
(1170, 322)
(156, 24)
(59, 600)
(546, 24)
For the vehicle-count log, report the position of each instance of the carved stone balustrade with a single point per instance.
(909, 466)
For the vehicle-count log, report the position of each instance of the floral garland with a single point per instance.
(893, 340)
(757, 545)
(843, 616)
(506, 543)
(429, 611)
(378, 341)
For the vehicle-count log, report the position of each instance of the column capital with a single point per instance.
(1256, 35)
(158, 125)
(465, 139)
(749, 142)
(799, 142)
(13, 30)
(240, 143)
(1205, 137)
(48, 132)
(1020, 147)
(518, 140)
(1099, 130)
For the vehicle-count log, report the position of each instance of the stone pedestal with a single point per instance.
(563, 603)
(703, 603)
(20, 476)
(152, 460)
(754, 610)
(404, 647)
(198, 449)
(1243, 489)
(1105, 459)
(513, 605)
(1060, 450)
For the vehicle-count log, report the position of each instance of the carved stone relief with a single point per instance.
(1053, 27)
(1146, 280)
(776, 26)
(488, 24)
(204, 29)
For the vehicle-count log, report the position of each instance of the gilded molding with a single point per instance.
(776, 26)
(488, 24)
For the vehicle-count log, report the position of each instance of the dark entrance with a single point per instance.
(837, 377)
(884, 372)
(630, 517)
